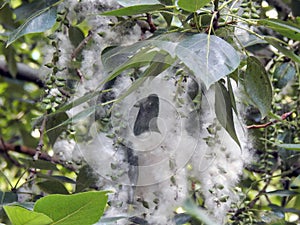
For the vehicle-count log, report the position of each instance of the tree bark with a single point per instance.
(24, 73)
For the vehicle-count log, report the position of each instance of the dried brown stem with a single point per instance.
(256, 126)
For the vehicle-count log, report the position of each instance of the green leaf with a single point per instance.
(286, 28)
(197, 213)
(294, 147)
(53, 121)
(39, 164)
(77, 209)
(75, 119)
(296, 183)
(66, 107)
(40, 21)
(133, 10)
(210, 58)
(296, 204)
(20, 216)
(76, 35)
(281, 209)
(77, 102)
(9, 54)
(109, 220)
(6, 17)
(141, 58)
(258, 86)
(182, 218)
(192, 5)
(284, 73)
(126, 3)
(289, 53)
(223, 110)
(155, 68)
(140, 53)
(232, 98)
(85, 179)
(61, 179)
(26, 9)
(282, 193)
(8, 197)
(3, 3)
(52, 187)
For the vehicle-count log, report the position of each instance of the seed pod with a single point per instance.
(46, 101)
(253, 9)
(246, 15)
(60, 84)
(235, 10)
(244, 5)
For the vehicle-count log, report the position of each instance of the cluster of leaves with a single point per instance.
(82, 208)
(199, 35)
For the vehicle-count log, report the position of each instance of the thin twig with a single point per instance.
(82, 44)
(6, 147)
(150, 22)
(80, 75)
(256, 126)
(6, 155)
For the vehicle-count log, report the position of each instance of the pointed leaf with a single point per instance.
(192, 5)
(61, 179)
(286, 28)
(284, 73)
(182, 218)
(39, 164)
(74, 119)
(26, 9)
(232, 98)
(85, 179)
(83, 208)
(295, 183)
(109, 220)
(198, 213)
(6, 17)
(282, 193)
(133, 10)
(258, 86)
(40, 21)
(210, 58)
(20, 216)
(52, 187)
(289, 53)
(76, 35)
(223, 110)
(126, 3)
(8, 197)
(155, 68)
(53, 121)
(140, 53)
(294, 147)
(9, 54)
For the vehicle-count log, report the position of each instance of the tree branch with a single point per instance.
(24, 73)
(6, 147)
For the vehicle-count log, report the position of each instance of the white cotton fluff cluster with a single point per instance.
(162, 180)
(222, 165)
(186, 139)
